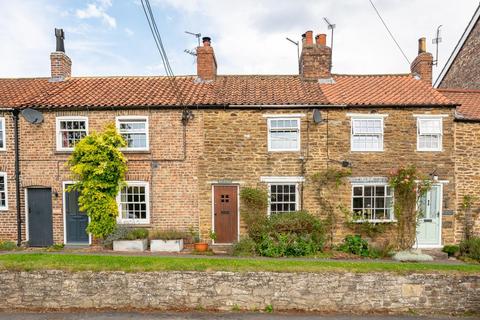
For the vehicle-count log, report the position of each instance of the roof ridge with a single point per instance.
(373, 75)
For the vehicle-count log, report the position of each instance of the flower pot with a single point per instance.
(130, 245)
(159, 245)
(201, 246)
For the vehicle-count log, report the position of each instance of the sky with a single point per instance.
(112, 37)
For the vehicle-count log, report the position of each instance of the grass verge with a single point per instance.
(73, 262)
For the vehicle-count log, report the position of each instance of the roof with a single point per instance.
(469, 100)
(227, 90)
(458, 47)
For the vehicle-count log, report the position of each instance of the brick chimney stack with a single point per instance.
(206, 62)
(60, 63)
(422, 65)
(316, 57)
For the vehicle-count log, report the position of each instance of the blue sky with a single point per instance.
(111, 37)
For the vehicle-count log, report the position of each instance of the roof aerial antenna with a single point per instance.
(436, 41)
(197, 35)
(331, 26)
(298, 50)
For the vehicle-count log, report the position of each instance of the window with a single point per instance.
(283, 197)
(429, 134)
(70, 130)
(372, 202)
(2, 135)
(284, 134)
(3, 191)
(133, 203)
(135, 132)
(367, 134)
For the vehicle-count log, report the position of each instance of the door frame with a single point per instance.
(213, 208)
(27, 224)
(64, 214)
(440, 218)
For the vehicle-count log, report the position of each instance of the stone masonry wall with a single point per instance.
(326, 292)
(467, 164)
(236, 152)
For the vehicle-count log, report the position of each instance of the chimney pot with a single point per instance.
(60, 63)
(308, 36)
(422, 65)
(422, 45)
(321, 39)
(206, 41)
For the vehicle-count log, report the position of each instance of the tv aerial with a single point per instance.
(192, 52)
(297, 43)
(436, 41)
(331, 26)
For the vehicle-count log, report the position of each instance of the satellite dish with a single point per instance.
(32, 116)
(317, 116)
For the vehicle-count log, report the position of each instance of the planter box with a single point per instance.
(130, 245)
(166, 245)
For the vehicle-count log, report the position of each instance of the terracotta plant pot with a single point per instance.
(201, 247)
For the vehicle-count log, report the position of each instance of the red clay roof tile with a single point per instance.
(469, 100)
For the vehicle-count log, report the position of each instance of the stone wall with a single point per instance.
(325, 292)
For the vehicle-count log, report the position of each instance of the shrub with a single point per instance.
(122, 232)
(471, 248)
(451, 250)
(168, 235)
(287, 244)
(245, 247)
(7, 245)
(138, 233)
(254, 203)
(356, 245)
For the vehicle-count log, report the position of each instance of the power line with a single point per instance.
(389, 32)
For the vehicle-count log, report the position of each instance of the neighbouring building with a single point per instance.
(460, 82)
(191, 151)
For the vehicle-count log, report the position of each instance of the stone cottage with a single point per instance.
(195, 141)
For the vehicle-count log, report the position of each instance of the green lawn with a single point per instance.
(73, 262)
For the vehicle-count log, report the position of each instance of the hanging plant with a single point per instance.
(408, 185)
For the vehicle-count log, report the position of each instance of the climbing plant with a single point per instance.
(467, 204)
(408, 185)
(327, 183)
(99, 167)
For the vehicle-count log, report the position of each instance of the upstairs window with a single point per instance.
(372, 202)
(3, 191)
(133, 203)
(70, 130)
(2, 134)
(135, 132)
(429, 134)
(283, 134)
(367, 134)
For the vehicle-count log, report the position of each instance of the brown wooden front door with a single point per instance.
(225, 213)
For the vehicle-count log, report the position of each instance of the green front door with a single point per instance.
(429, 227)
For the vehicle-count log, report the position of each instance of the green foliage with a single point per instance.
(269, 308)
(168, 235)
(99, 166)
(254, 204)
(136, 234)
(7, 245)
(212, 235)
(451, 250)
(122, 232)
(245, 247)
(356, 245)
(55, 247)
(367, 228)
(467, 203)
(409, 185)
(471, 248)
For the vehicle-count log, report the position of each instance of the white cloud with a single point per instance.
(129, 32)
(98, 10)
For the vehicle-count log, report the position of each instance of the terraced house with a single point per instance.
(189, 154)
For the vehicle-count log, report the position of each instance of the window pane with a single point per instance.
(133, 202)
(375, 204)
(282, 198)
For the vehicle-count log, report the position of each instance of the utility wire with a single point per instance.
(389, 32)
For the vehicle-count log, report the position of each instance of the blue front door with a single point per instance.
(76, 220)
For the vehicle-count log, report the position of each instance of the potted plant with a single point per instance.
(135, 239)
(166, 241)
(198, 245)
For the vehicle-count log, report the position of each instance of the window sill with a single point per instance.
(135, 151)
(283, 151)
(429, 150)
(374, 221)
(134, 224)
(366, 151)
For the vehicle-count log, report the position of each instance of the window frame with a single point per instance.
(373, 184)
(119, 119)
(120, 219)
(297, 195)
(269, 138)
(440, 135)
(354, 118)
(58, 120)
(3, 134)
(5, 177)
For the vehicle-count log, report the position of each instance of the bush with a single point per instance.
(122, 232)
(245, 247)
(356, 245)
(168, 235)
(7, 245)
(287, 244)
(254, 204)
(451, 250)
(471, 248)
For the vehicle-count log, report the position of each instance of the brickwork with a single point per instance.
(61, 65)
(316, 58)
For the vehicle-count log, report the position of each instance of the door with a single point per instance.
(429, 227)
(225, 213)
(76, 221)
(40, 227)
